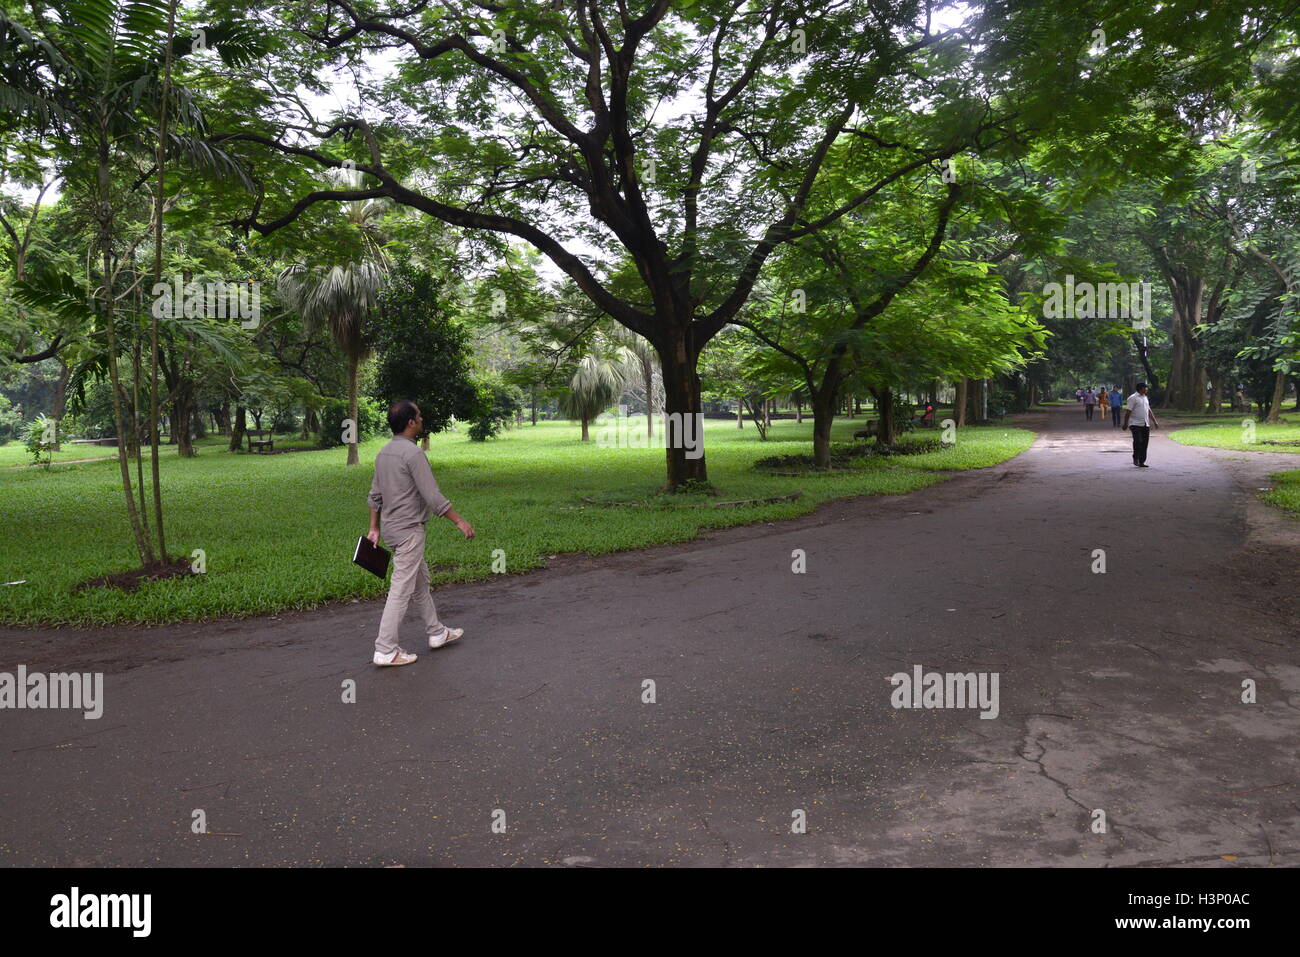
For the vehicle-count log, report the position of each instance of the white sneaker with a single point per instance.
(400, 657)
(453, 634)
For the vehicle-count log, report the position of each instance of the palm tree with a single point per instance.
(593, 388)
(86, 81)
(341, 298)
(642, 355)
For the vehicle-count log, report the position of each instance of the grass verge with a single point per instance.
(1285, 493)
(1235, 435)
(277, 531)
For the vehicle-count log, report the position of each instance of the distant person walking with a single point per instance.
(1116, 405)
(405, 494)
(1089, 403)
(1140, 420)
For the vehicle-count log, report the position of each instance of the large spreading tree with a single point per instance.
(689, 139)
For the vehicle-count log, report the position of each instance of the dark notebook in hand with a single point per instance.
(373, 558)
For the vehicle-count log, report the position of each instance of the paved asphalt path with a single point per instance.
(1119, 692)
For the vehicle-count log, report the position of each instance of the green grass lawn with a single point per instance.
(14, 454)
(1232, 434)
(278, 530)
(1286, 492)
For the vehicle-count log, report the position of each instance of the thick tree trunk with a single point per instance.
(183, 419)
(740, 414)
(684, 441)
(823, 413)
(886, 427)
(648, 374)
(973, 400)
(959, 402)
(1279, 393)
(353, 362)
(586, 437)
(241, 426)
(798, 412)
(1186, 388)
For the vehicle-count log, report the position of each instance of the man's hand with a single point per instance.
(1124, 427)
(465, 528)
(373, 535)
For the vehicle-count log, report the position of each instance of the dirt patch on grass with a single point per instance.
(130, 581)
(843, 454)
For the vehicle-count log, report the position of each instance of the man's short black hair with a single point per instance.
(1140, 385)
(400, 414)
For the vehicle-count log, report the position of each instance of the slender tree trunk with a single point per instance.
(59, 404)
(353, 362)
(160, 192)
(534, 393)
(1144, 357)
(143, 545)
(586, 437)
(740, 414)
(959, 402)
(798, 412)
(136, 424)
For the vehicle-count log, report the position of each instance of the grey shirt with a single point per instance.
(404, 491)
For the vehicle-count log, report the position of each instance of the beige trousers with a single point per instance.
(409, 586)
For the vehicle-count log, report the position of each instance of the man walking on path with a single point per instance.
(1116, 405)
(1140, 419)
(1089, 403)
(405, 492)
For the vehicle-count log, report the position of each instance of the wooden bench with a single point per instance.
(868, 432)
(266, 444)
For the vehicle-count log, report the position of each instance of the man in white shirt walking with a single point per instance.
(1140, 420)
(405, 493)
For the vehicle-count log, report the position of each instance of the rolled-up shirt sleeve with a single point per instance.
(375, 498)
(427, 485)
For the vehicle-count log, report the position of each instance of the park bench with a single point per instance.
(266, 444)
